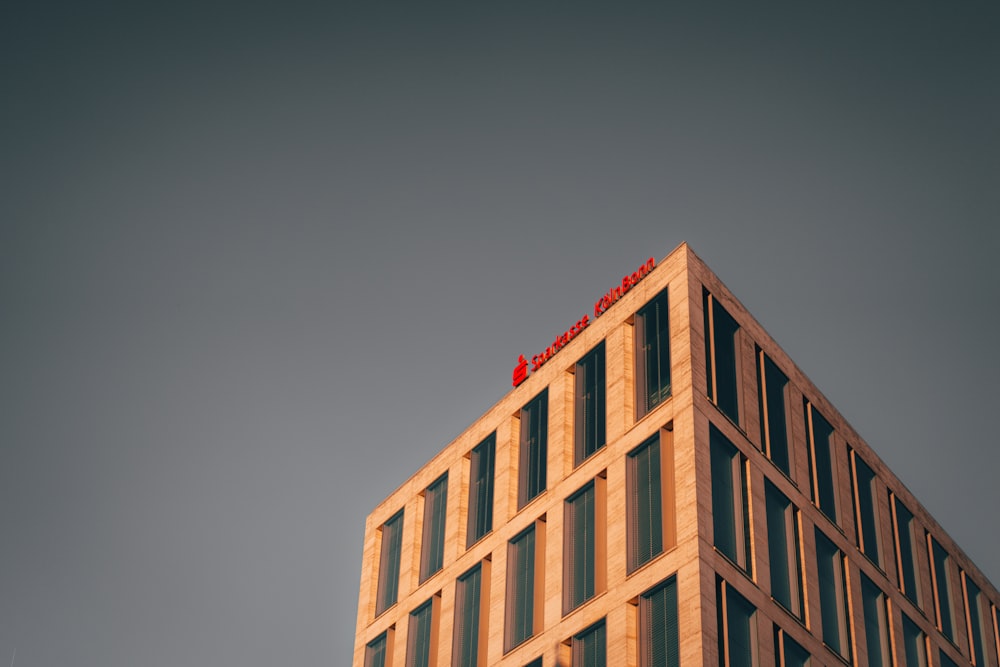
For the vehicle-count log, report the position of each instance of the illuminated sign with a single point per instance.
(600, 307)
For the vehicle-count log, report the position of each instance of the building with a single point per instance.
(665, 487)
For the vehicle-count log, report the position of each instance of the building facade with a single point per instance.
(665, 487)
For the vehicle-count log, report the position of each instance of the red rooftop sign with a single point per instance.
(600, 307)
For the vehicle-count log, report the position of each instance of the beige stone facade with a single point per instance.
(690, 554)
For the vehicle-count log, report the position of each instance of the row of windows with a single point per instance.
(731, 525)
(730, 493)
(658, 637)
(584, 521)
(652, 363)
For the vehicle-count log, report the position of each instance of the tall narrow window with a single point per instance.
(940, 561)
(645, 503)
(974, 608)
(468, 610)
(579, 548)
(534, 450)
(652, 354)
(419, 640)
(832, 595)
(876, 623)
(376, 651)
(865, 509)
(388, 565)
(821, 469)
(914, 644)
(906, 551)
(721, 354)
(787, 651)
(783, 549)
(737, 628)
(772, 384)
(590, 647)
(481, 490)
(520, 610)
(432, 541)
(730, 515)
(589, 404)
(659, 643)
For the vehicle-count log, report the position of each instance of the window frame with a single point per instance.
(479, 522)
(718, 338)
(647, 620)
(880, 606)
(723, 591)
(433, 529)
(792, 551)
(838, 641)
(775, 428)
(533, 420)
(647, 400)
(729, 465)
(866, 493)
(390, 551)
(644, 506)
(590, 398)
(822, 464)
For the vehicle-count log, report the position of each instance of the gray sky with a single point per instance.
(259, 263)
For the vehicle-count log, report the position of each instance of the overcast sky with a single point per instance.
(258, 263)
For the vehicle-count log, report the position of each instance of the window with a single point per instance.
(974, 608)
(388, 566)
(737, 628)
(787, 651)
(906, 549)
(730, 513)
(537, 662)
(432, 541)
(589, 404)
(659, 644)
(419, 640)
(832, 595)
(914, 644)
(721, 357)
(942, 588)
(819, 433)
(481, 490)
(876, 623)
(520, 611)
(645, 504)
(783, 550)
(466, 644)
(534, 436)
(772, 385)
(865, 509)
(652, 355)
(376, 651)
(580, 547)
(944, 660)
(590, 647)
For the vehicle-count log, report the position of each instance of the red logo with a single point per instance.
(520, 371)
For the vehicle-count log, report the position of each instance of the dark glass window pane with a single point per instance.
(520, 589)
(945, 619)
(904, 545)
(659, 644)
(867, 524)
(645, 505)
(773, 424)
(590, 647)
(782, 544)
(652, 349)
(578, 550)
(432, 541)
(821, 462)
(388, 567)
(418, 640)
(914, 644)
(720, 356)
(481, 490)
(976, 622)
(832, 594)
(738, 617)
(537, 662)
(944, 660)
(729, 506)
(876, 623)
(788, 652)
(590, 404)
(534, 436)
(375, 652)
(468, 599)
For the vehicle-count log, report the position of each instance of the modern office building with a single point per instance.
(664, 486)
